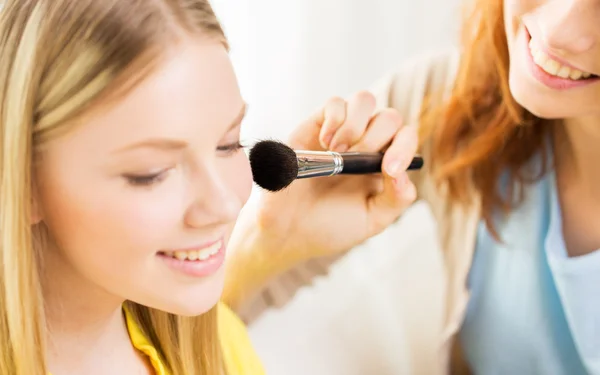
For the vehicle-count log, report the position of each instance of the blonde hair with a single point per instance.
(58, 58)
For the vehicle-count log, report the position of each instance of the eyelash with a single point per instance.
(231, 148)
(148, 180)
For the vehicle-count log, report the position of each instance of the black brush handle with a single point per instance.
(370, 162)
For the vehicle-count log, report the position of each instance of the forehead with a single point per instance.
(192, 95)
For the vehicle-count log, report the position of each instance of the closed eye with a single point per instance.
(146, 179)
(231, 148)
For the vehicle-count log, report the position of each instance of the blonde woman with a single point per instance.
(121, 178)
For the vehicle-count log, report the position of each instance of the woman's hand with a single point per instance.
(326, 215)
(329, 215)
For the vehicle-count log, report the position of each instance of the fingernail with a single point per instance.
(393, 168)
(327, 139)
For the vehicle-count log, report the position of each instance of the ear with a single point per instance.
(36, 211)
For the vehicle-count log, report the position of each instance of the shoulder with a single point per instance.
(238, 353)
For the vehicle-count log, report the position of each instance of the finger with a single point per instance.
(399, 155)
(398, 191)
(310, 132)
(383, 209)
(359, 111)
(333, 116)
(380, 132)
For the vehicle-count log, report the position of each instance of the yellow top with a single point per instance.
(238, 354)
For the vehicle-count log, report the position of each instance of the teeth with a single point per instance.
(564, 72)
(203, 254)
(553, 67)
(575, 74)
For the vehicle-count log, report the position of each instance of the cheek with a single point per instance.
(514, 12)
(238, 175)
(110, 220)
(511, 23)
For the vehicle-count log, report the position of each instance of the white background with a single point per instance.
(291, 55)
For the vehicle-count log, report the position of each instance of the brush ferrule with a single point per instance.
(319, 163)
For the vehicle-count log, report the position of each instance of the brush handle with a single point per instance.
(370, 162)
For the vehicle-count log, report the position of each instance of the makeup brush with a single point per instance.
(275, 165)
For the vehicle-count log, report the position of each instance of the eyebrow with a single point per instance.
(172, 144)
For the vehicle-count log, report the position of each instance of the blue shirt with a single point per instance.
(533, 310)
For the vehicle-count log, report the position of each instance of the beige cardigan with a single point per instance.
(431, 323)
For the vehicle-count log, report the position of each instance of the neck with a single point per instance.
(577, 149)
(85, 324)
(577, 152)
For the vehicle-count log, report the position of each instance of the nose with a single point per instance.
(570, 26)
(215, 202)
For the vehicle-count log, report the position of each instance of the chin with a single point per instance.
(194, 307)
(191, 299)
(530, 98)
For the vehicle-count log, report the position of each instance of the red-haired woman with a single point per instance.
(510, 128)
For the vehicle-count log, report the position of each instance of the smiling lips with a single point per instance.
(553, 67)
(195, 254)
(196, 262)
(552, 73)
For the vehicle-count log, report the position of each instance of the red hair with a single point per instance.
(483, 133)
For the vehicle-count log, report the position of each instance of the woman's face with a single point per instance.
(554, 48)
(141, 198)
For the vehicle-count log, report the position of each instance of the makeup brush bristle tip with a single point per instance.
(274, 165)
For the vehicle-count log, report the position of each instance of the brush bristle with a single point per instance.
(274, 165)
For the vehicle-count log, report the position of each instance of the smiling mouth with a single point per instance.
(556, 68)
(195, 254)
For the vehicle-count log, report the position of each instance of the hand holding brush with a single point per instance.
(327, 215)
